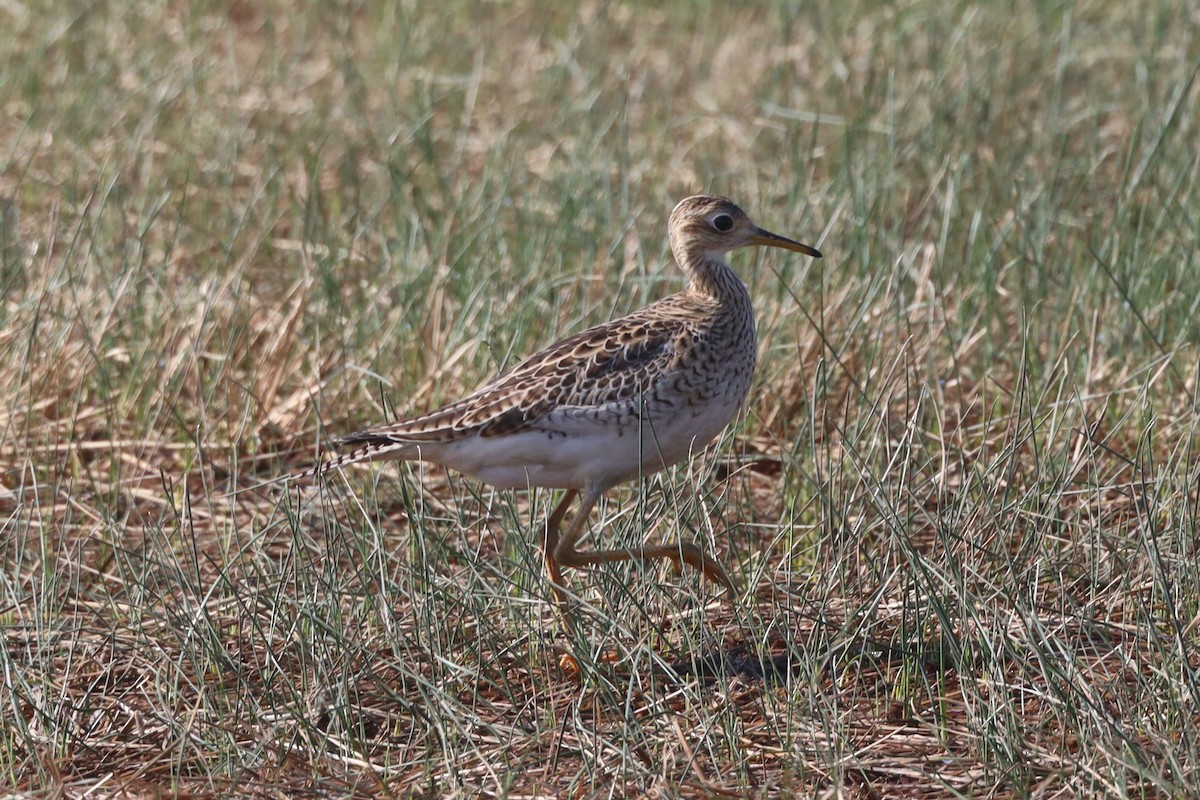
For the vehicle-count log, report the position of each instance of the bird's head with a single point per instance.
(708, 226)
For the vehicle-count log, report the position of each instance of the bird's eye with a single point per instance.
(723, 223)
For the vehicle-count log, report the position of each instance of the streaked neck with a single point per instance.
(711, 276)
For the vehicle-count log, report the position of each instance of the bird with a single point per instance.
(610, 404)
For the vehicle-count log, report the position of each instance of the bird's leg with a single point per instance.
(566, 555)
(551, 544)
(554, 548)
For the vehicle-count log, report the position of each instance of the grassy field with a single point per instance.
(962, 503)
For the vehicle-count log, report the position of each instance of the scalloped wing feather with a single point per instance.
(612, 363)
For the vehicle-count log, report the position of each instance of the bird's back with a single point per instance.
(669, 376)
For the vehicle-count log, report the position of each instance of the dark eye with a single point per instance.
(723, 223)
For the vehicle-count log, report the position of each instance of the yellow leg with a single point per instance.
(553, 524)
(565, 554)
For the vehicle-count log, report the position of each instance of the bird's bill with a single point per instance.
(768, 239)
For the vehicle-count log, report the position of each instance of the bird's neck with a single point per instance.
(710, 276)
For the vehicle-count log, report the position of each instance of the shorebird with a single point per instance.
(610, 404)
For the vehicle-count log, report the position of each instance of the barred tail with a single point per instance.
(369, 448)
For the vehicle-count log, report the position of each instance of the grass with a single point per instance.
(962, 501)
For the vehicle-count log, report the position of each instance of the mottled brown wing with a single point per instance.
(610, 363)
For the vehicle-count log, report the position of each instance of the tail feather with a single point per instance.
(369, 448)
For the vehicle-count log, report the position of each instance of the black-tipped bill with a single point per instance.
(768, 239)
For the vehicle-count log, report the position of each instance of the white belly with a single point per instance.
(584, 453)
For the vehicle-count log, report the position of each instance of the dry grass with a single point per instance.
(963, 502)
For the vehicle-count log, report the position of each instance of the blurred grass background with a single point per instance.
(962, 500)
